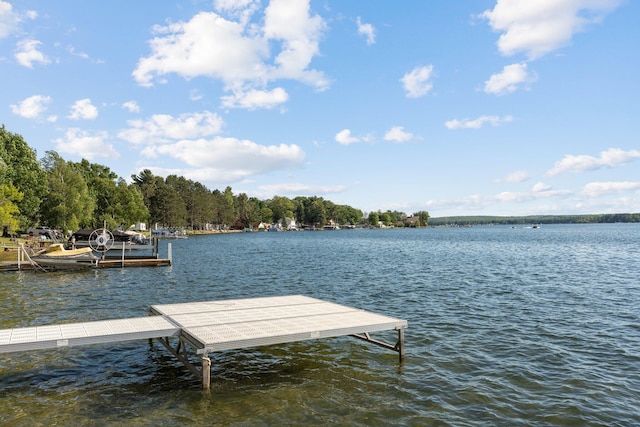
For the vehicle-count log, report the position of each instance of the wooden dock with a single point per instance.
(116, 262)
(199, 328)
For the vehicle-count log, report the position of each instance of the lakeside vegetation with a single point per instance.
(70, 195)
(534, 219)
(67, 195)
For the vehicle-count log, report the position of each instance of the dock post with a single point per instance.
(401, 343)
(169, 253)
(206, 372)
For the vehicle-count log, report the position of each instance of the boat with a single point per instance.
(57, 257)
(130, 240)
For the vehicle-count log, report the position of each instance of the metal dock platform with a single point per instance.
(200, 328)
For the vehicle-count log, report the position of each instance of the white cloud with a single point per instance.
(207, 45)
(32, 107)
(8, 19)
(299, 33)
(541, 187)
(344, 137)
(254, 99)
(195, 95)
(226, 160)
(82, 144)
(595, 189)
(397, 134)
(508, 80)
(131, 106)
(516, 177)
(417, 82)
(72, 50)
(83, 109)
(477, 123)
(539, 27)
(478, 202)
(239, 53)
(27, 53)
(583, 163)
(163, 128)
(368, 31)
(300, 189)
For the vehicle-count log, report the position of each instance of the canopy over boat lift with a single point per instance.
(207, 327)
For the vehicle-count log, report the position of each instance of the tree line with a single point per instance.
(70, 195)
(534, 219)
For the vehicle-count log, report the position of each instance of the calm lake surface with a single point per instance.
(507, 326)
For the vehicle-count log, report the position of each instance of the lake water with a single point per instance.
(507, 326)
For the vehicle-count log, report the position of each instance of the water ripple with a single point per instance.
(507, 326)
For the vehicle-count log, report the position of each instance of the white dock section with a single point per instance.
(70, 334)
(233, 324)
(212, 326)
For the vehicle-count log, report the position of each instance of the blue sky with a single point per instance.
(468, 107)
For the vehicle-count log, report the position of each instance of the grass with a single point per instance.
(8, 248)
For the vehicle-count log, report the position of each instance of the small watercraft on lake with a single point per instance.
(57, 257)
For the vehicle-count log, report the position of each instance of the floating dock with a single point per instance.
(200, 328)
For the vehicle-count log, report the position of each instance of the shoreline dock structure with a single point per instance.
(197, 329)
(24, 261)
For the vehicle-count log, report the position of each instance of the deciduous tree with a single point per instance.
(68, 204)
(25, 173)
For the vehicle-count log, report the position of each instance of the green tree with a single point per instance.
(116, 202)
(386, 218)
(167, 207)
(248, 211)
(9, 210)
(25, 173)
(147, 184)
(316, 213)
(282, 207)
(254, 210)
(227, 210)
(128, 206)
(201, 206)
(299, 210)
(373, 219)
(424, 217)
(267, 215)
(68, 204)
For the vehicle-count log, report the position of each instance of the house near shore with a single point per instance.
(412, 221)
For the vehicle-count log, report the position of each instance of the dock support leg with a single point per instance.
(206, 373)
(400, 344)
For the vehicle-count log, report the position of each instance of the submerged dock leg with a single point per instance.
(400, 344)
(206, 373)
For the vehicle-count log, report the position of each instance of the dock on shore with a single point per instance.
(196, 329)
(23, 261)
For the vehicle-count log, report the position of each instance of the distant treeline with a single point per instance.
(534, 219)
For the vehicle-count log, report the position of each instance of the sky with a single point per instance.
(466, 107)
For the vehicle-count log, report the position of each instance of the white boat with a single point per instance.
(56, 256)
